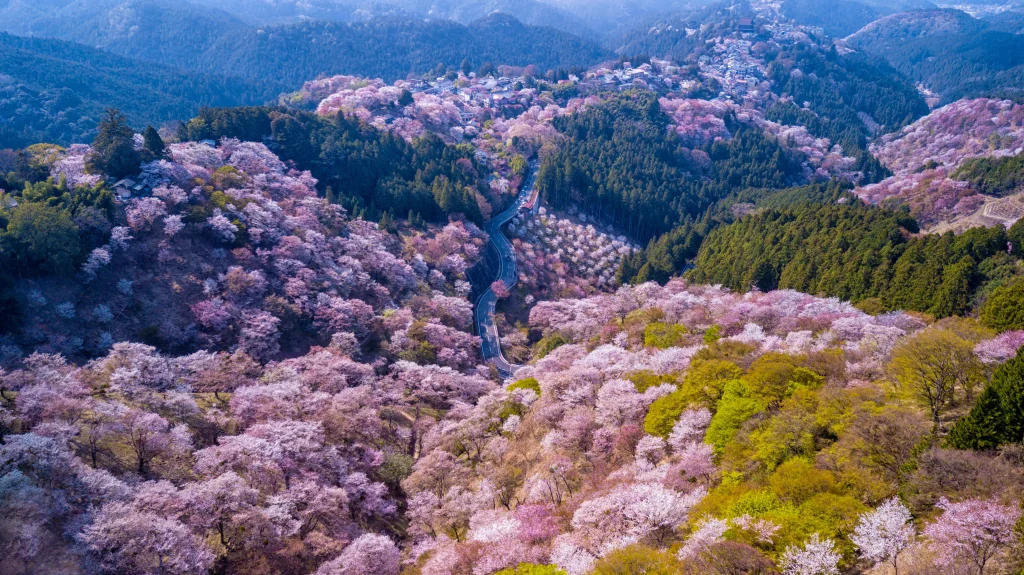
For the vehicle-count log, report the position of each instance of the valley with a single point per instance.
(482, 287)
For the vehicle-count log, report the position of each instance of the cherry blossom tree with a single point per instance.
(708, 533)
(815, 557)
(500, 289)
(974, 532)
(370, 554)
(127, 540)
(882, 534)
(98, 258)
(143, 212)
(149, 436)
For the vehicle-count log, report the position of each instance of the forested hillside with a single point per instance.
(622, 164)
(369, 172)
(848, 98)
(665, 35)
(857, 253)
(840, 18)
(531, 12)
(625, 165)
(949, 52)
(721, 296)
(393, 48)
(280, 58)
(55, 91)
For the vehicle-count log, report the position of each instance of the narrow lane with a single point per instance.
(485, 306)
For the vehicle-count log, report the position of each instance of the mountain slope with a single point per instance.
(279, 58)
(392, 48)
(530, 12)
(838, 18)
(948, 51)
(56, 91)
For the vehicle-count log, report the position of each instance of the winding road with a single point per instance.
(485, 306)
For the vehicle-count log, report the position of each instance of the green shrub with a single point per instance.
(736, 406)
(663, 413)
(706, 380)
(1004, 309)
(548, 344)
(646, 379)
(664, 335)
(531, 569)
(637, 560)
(527, 383)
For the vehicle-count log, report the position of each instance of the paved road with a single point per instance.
(485, 306)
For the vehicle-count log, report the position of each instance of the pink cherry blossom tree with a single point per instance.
(370, 554)
(881, 535)
(127, 540)
(974, 532)
(815, 557)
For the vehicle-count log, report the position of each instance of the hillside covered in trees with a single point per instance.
(622, 163)
(857, 254)
(726, 334)
(368, 171)
(56, 92)
(279, 58)
(949, 52)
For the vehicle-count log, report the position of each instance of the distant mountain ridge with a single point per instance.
(280, 57)
(55, 91)
(949, 52)
(840, 18)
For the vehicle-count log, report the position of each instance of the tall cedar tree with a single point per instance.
(998, 416)
(154, 143)
(113, 150)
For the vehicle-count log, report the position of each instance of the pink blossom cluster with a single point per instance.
(1001, 348)
(961, 130)
(784, 321)
(277, 263)
(923, 156)
(931, 194)
(470, 113)
(699, 122)
(274, 473)
(71, 166)
(567, 256)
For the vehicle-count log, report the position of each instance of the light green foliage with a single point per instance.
(755, 503)
(935, 366)
(737, 405)
(531, 569)
(526, 383)
(396, 467)
(827, 514)
(712, 334)
(518, 164)
(797, 480)
(645, 379)
(726, 349)
(704, 382)
(637, 560)
(791, 431)
(548, 344)
(769, 377)
(664, 335)
(664, 412)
